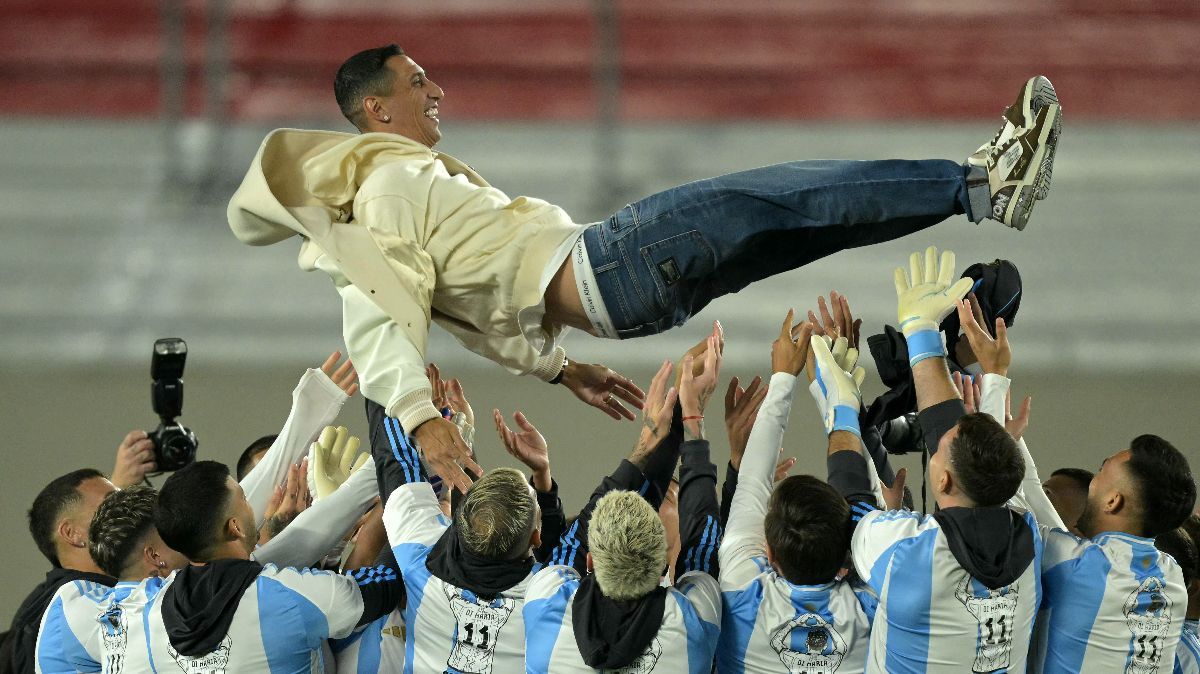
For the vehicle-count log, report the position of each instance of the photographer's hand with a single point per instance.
(135, 458)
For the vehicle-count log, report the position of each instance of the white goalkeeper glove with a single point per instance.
(331, 460)
(924, 299)
(836, 384)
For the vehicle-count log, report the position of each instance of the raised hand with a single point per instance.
(345, 377)
(970, 389)
(893, 496)
(697, 352)
(994, 354)
(446, 452)
(923, 298)
(526, 444)
(840, 323)
(741, 409)
(603, 389)
(656, 415)
(135, 458)
(695, 391)
(290, 499)
(789, 351)
(1017, 425)
(456, 399)
(332, 459)
(839, 380)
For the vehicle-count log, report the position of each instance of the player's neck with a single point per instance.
(77, 559)
(1107, 523)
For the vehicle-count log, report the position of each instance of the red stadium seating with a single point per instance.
(680, 59)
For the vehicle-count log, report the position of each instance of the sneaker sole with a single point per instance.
(1022, 206)
(1039, 92)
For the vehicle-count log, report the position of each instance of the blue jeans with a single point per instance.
(661, 260)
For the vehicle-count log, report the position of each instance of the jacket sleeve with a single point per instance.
(316, 402)
(320, 527)
(743, 552)
(554, 521)
(1030, 495)
(699, 513)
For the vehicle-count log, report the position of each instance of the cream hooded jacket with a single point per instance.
(408, 235)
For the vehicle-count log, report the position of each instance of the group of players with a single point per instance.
(658, 572)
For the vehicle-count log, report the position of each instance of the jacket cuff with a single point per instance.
(547, 499)
(547, 367)
(413, 409)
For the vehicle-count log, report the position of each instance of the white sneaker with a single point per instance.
(1019, 160)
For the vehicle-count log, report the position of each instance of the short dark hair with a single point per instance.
(48, 506)
(807, 528)
(247, 458)
(986, 459)
(1081, 476)
(1166, 492)
(1178, 543)
(121, 522)
(364, 74)
(191, 508)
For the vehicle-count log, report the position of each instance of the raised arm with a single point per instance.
(528, 446)
(316, 402)
(743, 550)
(699, 512)
(925, 297)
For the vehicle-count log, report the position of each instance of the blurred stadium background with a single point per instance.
(126, 124)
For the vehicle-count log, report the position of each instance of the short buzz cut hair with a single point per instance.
(50, 504)
(1178, 543)
(807, 528)
(364, 74)
(191, 508)
(245, 461)
(1166, 492)
(1081, 476)
(121, 523)
(628, 544)
(986, 460)
(498, 515)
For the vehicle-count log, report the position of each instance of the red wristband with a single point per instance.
(693, 418)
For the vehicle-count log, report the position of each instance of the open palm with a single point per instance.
(526, 443)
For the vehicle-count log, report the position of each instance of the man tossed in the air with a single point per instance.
(410, 235)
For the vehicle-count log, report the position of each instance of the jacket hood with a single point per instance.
(199, 604)
(300, 179)
(611, 633)
(450, 561)
(994, 545)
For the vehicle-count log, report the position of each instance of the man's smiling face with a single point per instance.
(413, 102)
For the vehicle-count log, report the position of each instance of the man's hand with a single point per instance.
(603, 389)
(1016, 426)
(290, 499)
(446, 453)
(783, 466)
(697, 353)
(840, 323)
(994, 355)
(695, 391)
(893, 496)
(528, 446)
(741, 409)
(656, 415)
(924, 299)
(332, 459)
(345, 377)
(839, 379)
(790, 349)
(970, 389)
(135, 458)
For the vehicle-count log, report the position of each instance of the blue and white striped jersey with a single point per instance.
(66, 640)
(684, 644)
(770, 625)
(1114, 603)
(1187, 655)
(933, 616)
(376, 648)
(450, 629)
(280, 625)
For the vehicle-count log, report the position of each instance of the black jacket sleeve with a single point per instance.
(382, 591)
(660, 465)
(554, 521)
(728, 489)
(700, 528)
(397, 461)
(937, 420)
(874, 444)
(572, 546)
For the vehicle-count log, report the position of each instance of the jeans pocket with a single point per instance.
(675, 266)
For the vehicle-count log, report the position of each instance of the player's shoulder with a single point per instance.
(894, 524)
(551, 581)
(80, 592)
